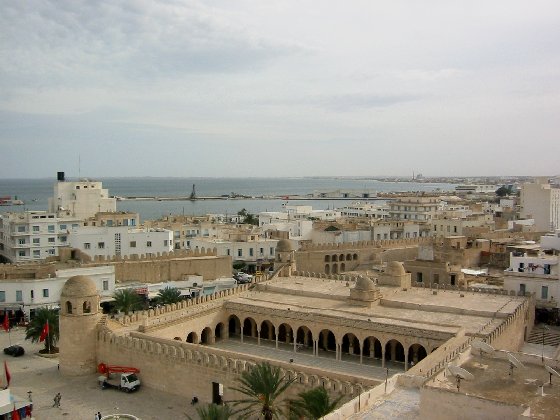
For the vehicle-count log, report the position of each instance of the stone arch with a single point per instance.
(350, 344)
(334, 258)
(341, 257)
(348, 257)
(249, 327)
(304, 337)
(394, 351)
(86, 307)
(327, 269)
(342, 267)
(335, 268)
(268, 332)
(68, 307)
(327, 258)
(285, 333)
(219, 331)
(416, 352)
(234, 326)
(192, 337)
(207, 336)
(372, 348)
(355, 257)
(327, 340)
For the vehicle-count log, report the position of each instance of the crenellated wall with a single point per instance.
(189, 369)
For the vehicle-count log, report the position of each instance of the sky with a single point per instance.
(222, 88)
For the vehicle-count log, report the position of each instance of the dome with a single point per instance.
(284, 246)
(78, 286)
(364, 283)
(395, 268)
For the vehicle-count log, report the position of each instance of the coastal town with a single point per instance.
(378, 303)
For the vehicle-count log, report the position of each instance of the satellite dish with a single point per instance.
(459, 373)
(513, 362)
(551, 372)
(482, 347)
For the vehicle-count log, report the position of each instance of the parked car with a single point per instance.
(14, 350)
(243, 278)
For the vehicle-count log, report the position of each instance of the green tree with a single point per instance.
(127, 300)
(169, 295)
(312, 404)
(263, 386)
(504, 191)
(248, 218)
(214, 412)
(35, 328)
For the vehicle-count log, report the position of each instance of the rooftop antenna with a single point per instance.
(459, 373)
(482, 347)
(551, 372)
(513, 362)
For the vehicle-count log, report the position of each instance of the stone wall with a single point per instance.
(189, 369)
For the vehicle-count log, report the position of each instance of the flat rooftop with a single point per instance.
(445, 311)
(492, 380)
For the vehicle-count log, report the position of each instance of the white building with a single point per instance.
(475, 189)
(33, 235)
(551, 240)
(419, 209)
(81, 199)
(251, 249)
(113, 241)
(366, 210)
(29, 294)
(445, 225)
(541, 201)
(537, 274)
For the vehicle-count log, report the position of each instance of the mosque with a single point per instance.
(347, 333)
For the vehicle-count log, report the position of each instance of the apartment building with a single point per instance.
(414, 208)
(541, 201)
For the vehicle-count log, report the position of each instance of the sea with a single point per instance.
(36, 192)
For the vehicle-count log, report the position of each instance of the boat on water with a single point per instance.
(7, 201)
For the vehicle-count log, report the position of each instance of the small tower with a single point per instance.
(79, 316)
(364, 293)
(285, 256)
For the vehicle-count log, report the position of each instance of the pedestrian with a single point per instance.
(98, 416)
(57, 399)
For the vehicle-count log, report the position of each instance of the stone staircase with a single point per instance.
(550, 334)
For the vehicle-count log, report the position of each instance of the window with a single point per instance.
(436, 278)
(261, 250)
(228, 252)
(36, 253)
(454, 229)
(271, 251)
(21, 241)
(522, 288)
(239, 252)
(419, 277)
(87, 245)
(19, 296)
(251, 252)
(45, 292)
(149, 244)
(51, 229)
(21, 228)
(52, 251)
(133, 244)
(74, 226)
(51, 240)
(105, 284)
(63, 238)
(35, 228)
(2, 296)
(544, 292)
(165, 242)
(62, 227)
(21, 253)
(32, 294)
(101, 245)
(109, 223)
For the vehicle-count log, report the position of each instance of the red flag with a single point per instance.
(8, 376)
(6, 323)
(15, 414)
(44, 332)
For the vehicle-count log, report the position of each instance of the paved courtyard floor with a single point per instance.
(81, 396)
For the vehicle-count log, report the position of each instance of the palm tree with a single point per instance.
(126, 300)
(313, 404)
(214, 412)
(35, 328)
(169, 295)
(263, 385)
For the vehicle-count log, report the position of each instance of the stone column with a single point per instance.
(361, 353)
(241, 328)
(315, 348)
(295, 345)
(383, 356)
(393, 351)
(277, 341)
(258, 337)
(405, 360)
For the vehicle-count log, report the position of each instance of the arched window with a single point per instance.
(87, 307)
(68, 307)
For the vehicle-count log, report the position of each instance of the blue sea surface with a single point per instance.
(35, 193)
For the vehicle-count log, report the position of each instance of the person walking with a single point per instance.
(57, 399)
(98, 416)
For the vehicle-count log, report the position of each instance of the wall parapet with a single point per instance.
(389, 243)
